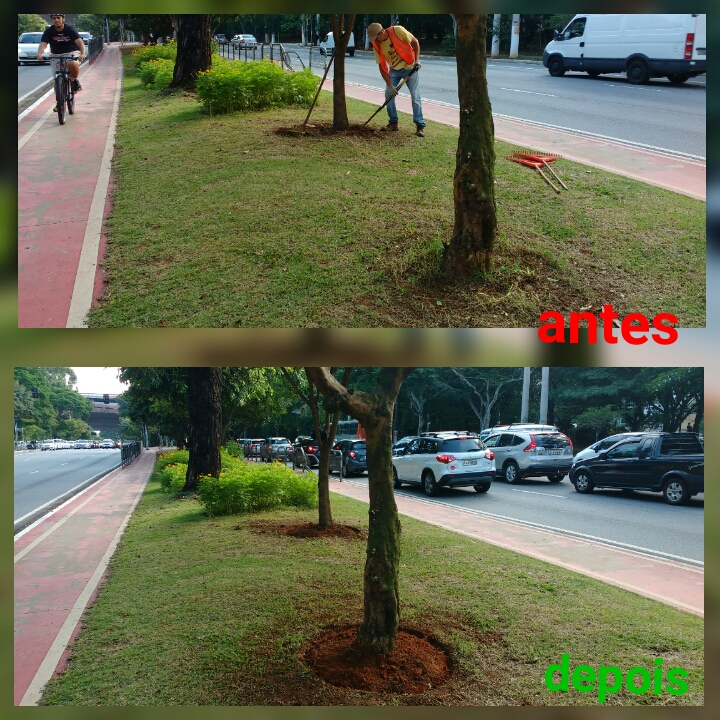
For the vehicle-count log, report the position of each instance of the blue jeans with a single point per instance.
(413, 84)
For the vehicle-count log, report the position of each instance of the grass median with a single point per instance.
(224, 222)
(213, 611)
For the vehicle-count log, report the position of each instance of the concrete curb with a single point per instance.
(31, 517)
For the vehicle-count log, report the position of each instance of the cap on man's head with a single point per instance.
(374, 29)
(54, 15)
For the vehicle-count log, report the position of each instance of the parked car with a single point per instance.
(448, 433)
(445, 461)
(327, 46)
(276, 448)
(28, 44)
(107, 443)
(86, 37)
(244, 41)
(487, 432)
(21, 445)
(670, 463)
(82, 444)
(351, 455)
(220, 39)
(33, 444)
(47, 445)
(642, 45)
(520, 454)
(252, 447)
(311, 449)
(604, 444)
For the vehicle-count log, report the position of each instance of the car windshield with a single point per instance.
(460, 445)
(552, 440)
(248, 37)
(30, 38)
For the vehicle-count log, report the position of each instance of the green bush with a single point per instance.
(172, 456)
(229, 86)
(154, 52)
(447, 46)
(233, 449)
(172, 477)
(156, 73)
(250, 488)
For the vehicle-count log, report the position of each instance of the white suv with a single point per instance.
(520, 454)
(445, 460)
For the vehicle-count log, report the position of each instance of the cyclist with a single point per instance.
(63, 39)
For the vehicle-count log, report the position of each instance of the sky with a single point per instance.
(98, 380)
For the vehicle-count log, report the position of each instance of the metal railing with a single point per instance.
(95, 45)
(129, 451)
(275, 52)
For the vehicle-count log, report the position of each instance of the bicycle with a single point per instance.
(64, 93)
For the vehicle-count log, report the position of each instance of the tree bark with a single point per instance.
(342, 26)
(381, 618)
(470, 248)
(205, 412)
(194, 51)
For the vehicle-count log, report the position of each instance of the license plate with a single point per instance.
(469, 462)
(555, 452)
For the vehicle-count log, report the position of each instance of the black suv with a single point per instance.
(310, 447)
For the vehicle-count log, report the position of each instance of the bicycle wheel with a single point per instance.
(70, 94)
(60, 98)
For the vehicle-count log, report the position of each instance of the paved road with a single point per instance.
(641, 520)
(657, 114)
(30, 76)
(43, 476)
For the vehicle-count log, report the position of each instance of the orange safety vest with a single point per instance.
(404, 50)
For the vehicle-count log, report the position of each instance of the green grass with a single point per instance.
(212, 611)
(222, 222)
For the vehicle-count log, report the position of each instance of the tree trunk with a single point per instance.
(475, 228)
(342, 26)
(205, 413)
(381, 618)
(194, 51)
(324, 511)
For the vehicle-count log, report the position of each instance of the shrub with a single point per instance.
(229, 86)
(172, 477)
(172, 456)
(250, 488)
(154, 52)
(447, 46)
(156, 73)
(233, 449)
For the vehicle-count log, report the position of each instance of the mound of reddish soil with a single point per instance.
(305, 530)
(325, 129)
(417, 665)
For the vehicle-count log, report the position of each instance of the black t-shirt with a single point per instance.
(61, 41)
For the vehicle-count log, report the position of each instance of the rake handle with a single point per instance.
(400, 84)
(327, 69)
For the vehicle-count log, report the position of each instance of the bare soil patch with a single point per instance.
(418, 664)
(305, 530)
(326, 129)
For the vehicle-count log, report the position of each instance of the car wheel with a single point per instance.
(677, 79)
(676, 492)
(511, 472)
(555, 477)
(556, 67)
(482, 487)
(351, 52)
(637, 72)
(583, 482)
(593, 73)
(396, 482)
(429, 484)
(346, 472)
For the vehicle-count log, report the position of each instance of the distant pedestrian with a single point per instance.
(397, 52)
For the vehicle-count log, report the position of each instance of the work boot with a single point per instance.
(55, 109)
(390, 126)
(76, 85)
(420, 132)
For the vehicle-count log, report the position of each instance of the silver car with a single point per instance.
(520, 454)
(592, 450)
(28, 44)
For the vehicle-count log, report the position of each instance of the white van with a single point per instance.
(327, 46)
(643, 46)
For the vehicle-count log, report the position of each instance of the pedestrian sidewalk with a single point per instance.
(59, 564)
(672, 583)
(63, 177)
(683, 176)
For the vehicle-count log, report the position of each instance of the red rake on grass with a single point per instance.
(537, 165)
(544, 158)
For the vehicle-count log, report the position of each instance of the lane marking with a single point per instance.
(23, 140)
(87, 266)
(47, 667)
(34, 471)
(620, 546)
(533, 492)
(35, 89)
(529, 92)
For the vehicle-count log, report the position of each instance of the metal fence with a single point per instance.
(283, 455)
(129, 451)
(275, 52)
(95, 45)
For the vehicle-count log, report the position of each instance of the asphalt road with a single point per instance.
(658, 114)
(30, 76)
(641, 520)
(43, 476)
